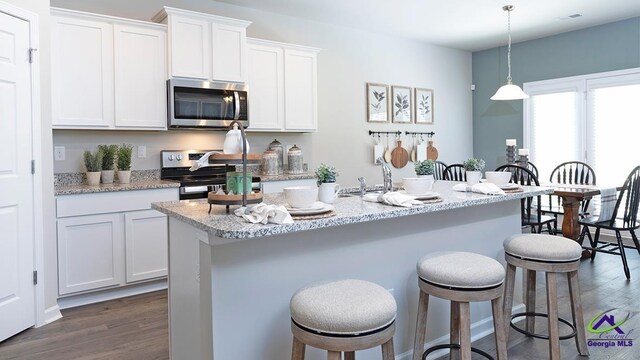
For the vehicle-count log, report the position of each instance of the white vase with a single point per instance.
(328, 192)
(430, 176)
(107, 176)
(473, 177)
(93, 178)
(124, 177)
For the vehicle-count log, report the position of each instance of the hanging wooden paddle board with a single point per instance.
(399, 156)
(432, 152)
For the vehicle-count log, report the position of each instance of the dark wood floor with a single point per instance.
(136, 328)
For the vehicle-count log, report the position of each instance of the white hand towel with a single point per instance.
(203, 161)
(481, 188)
(397, 199)
(263, 213)
(608, 199)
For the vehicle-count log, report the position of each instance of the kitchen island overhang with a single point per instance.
(230, 282)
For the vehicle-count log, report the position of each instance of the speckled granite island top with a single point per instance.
(349, 210)
(134, 185)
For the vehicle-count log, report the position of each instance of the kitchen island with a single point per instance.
(230, 281)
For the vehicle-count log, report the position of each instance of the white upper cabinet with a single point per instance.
(82, 73)
(107, 72)
(205, 46)
(140, 75)
(282, 87)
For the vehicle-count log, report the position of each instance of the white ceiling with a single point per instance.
(462, 24)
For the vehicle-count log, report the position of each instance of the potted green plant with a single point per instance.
(108, 162)
(473, 170)
(93, 163)
(328, 189)
(124, 163)
(425, 168)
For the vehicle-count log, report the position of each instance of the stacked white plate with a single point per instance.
(426, 196)
(316, 209)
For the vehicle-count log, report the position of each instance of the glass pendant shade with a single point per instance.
(509, 92)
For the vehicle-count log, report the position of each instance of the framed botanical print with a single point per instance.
(377, 103)
(424, 106)
(401, 100)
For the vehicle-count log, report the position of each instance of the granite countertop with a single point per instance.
(134, 185)
(349, 210)
(286, 176)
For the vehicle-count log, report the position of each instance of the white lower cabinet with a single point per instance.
(146, 242)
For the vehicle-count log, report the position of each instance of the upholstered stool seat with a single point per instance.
(343, 316)
(542, 247)
(461, 277)
(552, 255)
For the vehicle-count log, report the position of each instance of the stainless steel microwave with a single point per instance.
(204, 104)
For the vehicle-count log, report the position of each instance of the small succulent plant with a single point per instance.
(124, 157)
(326, 174)
(473, 164)
(425, 167)
(93, 161)
(109, 153)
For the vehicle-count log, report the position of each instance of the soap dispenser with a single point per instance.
(233, 141)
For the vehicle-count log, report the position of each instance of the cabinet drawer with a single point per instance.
(109, 202)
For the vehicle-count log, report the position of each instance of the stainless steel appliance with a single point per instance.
(175, 166)
(200, 104)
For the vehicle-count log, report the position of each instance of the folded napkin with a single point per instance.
(263, 213)
(203, 161)
(398, 199)
(481, 188)
(608, 199)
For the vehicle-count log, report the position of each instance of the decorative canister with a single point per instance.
(295, 160)
(234, 182)
(276, 146)
(270, 163)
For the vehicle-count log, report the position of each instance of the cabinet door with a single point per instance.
(90, 252)
(140, 77)
(266, 84)
(190, 47)
(146, 244)
(82, 73)
(300, 83)
(229, 52)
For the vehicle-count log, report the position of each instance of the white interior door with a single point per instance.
(16, 202)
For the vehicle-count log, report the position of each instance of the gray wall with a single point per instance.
(608, 47)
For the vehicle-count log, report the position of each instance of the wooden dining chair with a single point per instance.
(624, 218)
(438, 170)
(534, 169)
(529, 210)
(570, 172)
(454, 172)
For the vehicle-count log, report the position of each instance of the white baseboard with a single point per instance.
(51, 314)
(479, 329)
(117, 293)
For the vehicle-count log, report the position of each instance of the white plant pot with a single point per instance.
(473, 177)
(93, 178)
(328, 192)
(107, 176)
(426, 176)
(124, 177)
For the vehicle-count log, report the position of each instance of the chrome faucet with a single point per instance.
(363, 185)
(386, 175)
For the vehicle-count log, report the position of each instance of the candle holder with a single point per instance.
(523, 160)
(511, 154)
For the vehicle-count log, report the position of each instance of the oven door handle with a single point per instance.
(193, 189)
(236, 97)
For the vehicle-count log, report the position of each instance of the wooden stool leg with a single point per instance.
(507, 308)
(349, 355)
(465, 331)
(387, 351)
(530, 299)
(498, 327)
(576, 312)
(454, 335)
(298, 350)
(552, 310)
(334, 355)
(421, 326)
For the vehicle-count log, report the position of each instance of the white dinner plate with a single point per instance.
(426, 196)
(316, 206)
(315, 210)
(509, 186)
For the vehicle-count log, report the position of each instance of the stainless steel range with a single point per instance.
(175, 166)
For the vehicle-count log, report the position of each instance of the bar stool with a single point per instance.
(343, 316)
(461, 277)
(551, 254)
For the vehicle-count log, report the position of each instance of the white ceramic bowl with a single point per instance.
(417, 186)
(301, 197)
(498, 177)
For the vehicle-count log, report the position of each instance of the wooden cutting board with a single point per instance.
(399, 156)
(432, 152)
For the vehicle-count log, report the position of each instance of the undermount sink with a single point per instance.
(357, 193)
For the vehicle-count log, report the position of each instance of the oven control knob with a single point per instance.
(179, 157)
(170, 157)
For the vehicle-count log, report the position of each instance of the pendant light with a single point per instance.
(509, 91)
